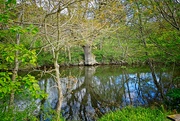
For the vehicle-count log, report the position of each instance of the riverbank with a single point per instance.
(137, 114)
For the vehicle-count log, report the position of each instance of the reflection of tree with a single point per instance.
(43, 85)
(141, 89)
(104, 93)
(152, 91)
(48, 85)
(91, 96)
(128, 88)
(145, 88)
(80, 95)
(110, 89)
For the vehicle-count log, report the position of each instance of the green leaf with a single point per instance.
(36, 86)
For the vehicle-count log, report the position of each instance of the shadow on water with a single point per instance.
(90, 92)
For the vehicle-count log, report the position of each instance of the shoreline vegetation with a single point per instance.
(130, 113)
(123, 64)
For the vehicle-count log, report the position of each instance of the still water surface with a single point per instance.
(90, 92)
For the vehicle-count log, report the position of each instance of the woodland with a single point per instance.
(41, 34)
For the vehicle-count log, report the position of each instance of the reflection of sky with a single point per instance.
(136, 88)
(124, 89)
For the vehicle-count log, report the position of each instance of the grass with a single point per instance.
(136, 114)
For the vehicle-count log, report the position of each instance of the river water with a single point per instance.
(89, 92)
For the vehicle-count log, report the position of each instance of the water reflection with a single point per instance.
(89, 92)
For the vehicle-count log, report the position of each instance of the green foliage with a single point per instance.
(26, 58)
(167, 45)
(11, 1)
(27, 114)
(99, 55)
(173, 99)
(109, 53)
(77, 54)
(174, 93)
(44, 58)
(47, 113)
(22, 30)
(6, 15)
(11, 52)
(28, 82)
(135, 114)
(16, 114)
(31, 84)
(114, 50)
(6, 84)
(7, 55)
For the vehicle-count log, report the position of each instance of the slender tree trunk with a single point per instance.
(55, 48)
(101, 44)
(128, 88)
(15, 70)
(56, 66)
(155, 79)
(150, 63)
(69, 54)
(60, 95)
(16, 61)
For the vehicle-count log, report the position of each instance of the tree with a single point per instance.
(169, 9)
(14, 55)
(156, 32)
(56, 30)
(94, 19)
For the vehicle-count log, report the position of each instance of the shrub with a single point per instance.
(173, 99)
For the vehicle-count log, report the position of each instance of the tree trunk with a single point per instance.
(58, 82)
(56, 66)
(150, 63)
(154, 78)
(69, 54)
(15, 70)
(16, 61)
(89, 58)
(55, 48)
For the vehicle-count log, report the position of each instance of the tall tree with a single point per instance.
(57, 32)
(93, 19)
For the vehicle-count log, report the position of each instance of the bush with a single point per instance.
(173, 99)
(135, 114)
(15, 114)
(29, 113)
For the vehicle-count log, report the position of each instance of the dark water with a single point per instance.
(90, 92)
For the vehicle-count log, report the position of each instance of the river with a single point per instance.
(91, 91)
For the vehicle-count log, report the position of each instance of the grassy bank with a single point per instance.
(136, 114)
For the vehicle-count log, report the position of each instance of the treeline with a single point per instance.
(92, 32)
